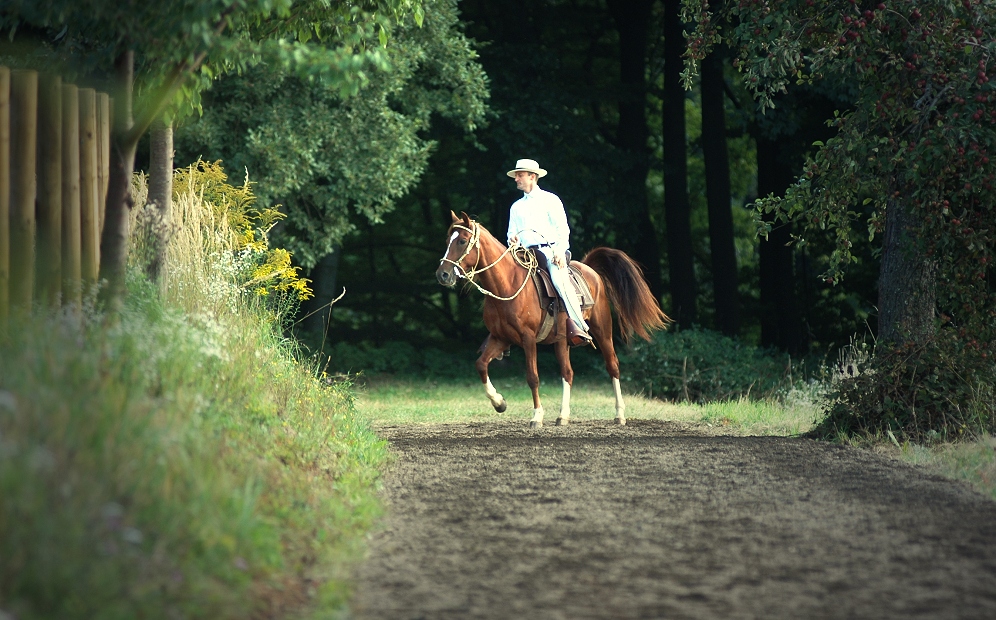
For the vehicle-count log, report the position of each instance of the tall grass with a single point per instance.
(179, 463)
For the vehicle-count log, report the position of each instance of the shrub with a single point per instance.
(941, 389)
(698, 365)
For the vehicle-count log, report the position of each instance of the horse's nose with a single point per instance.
(443, 276)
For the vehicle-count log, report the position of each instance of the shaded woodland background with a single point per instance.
(590, 90)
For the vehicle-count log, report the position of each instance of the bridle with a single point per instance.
(523, 258)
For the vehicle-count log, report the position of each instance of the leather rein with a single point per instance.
(523, 259)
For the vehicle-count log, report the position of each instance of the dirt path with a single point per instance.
(653, 520)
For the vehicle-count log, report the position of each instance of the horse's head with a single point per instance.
(462, 251)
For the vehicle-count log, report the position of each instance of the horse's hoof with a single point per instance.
(621, 421)
(563, 421)
(501, 407)
(535, 423)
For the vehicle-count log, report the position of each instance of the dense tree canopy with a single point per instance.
(325, 156)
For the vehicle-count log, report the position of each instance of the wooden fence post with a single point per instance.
(49, 210)
(89, 194)
(24, 128)
(4, 195)
(71, 236)
(103, 153)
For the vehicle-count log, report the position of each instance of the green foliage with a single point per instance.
(198, 40)
(221, 224)
(327, 157)
(402, 358)
(920, 134)
(699, 366)
(178, 465)
(941, 389)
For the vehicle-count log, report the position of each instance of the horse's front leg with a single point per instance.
(493, 348)
(532, 378)
(567, 374)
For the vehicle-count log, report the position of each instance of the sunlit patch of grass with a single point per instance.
(973, 462)
(395, 400)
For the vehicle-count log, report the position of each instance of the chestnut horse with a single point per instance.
(513, 315)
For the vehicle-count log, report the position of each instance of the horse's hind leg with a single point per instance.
(567, 374)
(601, 331)
(493, 349)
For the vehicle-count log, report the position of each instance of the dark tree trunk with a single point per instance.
(324, 277)
(717, 173)
(907, 286)
(632, 18)
(160, 192)
(677, 210)
(114, 242)
(781, 321)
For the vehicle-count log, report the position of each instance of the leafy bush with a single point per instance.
(941, 389)
(698, 365)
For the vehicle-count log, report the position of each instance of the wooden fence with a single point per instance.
(54, 152)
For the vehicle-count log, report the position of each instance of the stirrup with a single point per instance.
(576, 336)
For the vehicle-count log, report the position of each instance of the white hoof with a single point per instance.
(563, 421)
(621, 421)
(535, 423)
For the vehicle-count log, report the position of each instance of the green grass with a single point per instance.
(175, 466)
(972, 462)
(394, 400)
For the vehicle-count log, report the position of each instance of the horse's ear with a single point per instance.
(454, 216)
(466, 218)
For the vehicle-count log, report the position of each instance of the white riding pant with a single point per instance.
(565, 289)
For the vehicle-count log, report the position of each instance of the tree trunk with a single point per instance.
(160, 193)
(781, 321)
(632, 18)
(717, 173)
(114, 242)
(907, 286)
(677, 210)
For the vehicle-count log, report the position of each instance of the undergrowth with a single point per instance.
(699, 366)
(179, 463)
(940, 389)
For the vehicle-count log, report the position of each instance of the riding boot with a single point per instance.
(576, 335)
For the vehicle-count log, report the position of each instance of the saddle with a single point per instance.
(550, 301)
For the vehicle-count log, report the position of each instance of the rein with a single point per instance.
(524, 259)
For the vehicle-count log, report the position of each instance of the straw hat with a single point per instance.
(527, 165)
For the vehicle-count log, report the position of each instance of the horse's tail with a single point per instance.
(636, 308)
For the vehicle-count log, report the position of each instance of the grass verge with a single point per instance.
(396, 400)
(178, 462)
(174, 466)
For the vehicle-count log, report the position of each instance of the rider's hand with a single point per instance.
(513, 240)
(558, 259)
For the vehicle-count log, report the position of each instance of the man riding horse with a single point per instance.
(538, 221)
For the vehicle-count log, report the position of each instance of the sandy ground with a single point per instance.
(661, 520)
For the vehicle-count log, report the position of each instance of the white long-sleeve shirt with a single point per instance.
(539, 218)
